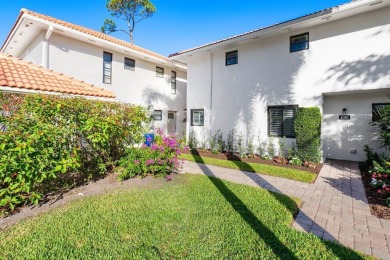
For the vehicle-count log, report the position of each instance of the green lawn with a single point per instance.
(288, 173)
(191, 216)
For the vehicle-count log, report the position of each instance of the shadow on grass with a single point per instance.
(264, 232)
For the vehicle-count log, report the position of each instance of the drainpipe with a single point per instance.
(211, 85)
(45, 48)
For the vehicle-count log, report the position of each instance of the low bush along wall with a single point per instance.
(48, 142)
(307, 126)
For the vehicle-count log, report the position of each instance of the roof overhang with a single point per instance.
(321, 17)
(28, 27)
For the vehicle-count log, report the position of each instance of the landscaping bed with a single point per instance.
(251, 159)
(171, 220)
(378, 205)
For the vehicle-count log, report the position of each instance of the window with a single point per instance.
(231, 58)
(129, 64)
(197, 117)
(299, 42)
(173, 82)
(107, 67)
(281, 121)
(171, 115)
(376, 110)
(157, 115)
(159, 72)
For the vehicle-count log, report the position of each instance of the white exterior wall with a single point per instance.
(352, 54)
(33, 52)
(85, 62)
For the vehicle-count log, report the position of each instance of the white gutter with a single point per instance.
(31, 91)
(45, 47)
(146, 56)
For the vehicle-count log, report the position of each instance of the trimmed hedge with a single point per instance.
(50, 142)
(307, 126)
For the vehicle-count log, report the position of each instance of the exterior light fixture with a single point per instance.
(344, 111)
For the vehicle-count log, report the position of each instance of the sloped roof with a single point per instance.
(19, 74)
(97, 34)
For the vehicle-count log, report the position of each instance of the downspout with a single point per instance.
(211, 85)
(45, 48)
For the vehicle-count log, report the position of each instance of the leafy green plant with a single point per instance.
(388, 202)
(192, 140)
(282, 146)
(307, 126)
(213, 142)
(251, 147)
(240, 145)
(295, 161)
(262, 146)
(230, 141)
(292, 151)
(221, 142)
(271, 147)
(50, 142)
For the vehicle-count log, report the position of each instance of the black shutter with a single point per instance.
(288, 121)
(275, 121)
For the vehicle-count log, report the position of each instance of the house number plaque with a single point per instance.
(345, 117)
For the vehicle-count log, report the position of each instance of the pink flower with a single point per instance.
(136, 162)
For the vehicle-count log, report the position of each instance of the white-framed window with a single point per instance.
(197, 117)
(157, 115)
(173, 82)
(281, 121)
(129, 64)
(159, 72)
(231, 58)
(107, 67)
(299, 42)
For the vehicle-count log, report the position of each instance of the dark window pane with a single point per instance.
(129, 64)
(281, 121)
(159, 72)
(299, 42)
(173, 82)
(231, 58)
(275, 121)
(288, 121)
(107, 67)
(157, 116)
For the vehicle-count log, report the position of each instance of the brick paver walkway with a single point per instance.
(334, 207)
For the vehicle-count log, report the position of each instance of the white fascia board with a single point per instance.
(279, 27)
(114, 46)
(15, 29)
(31, 91)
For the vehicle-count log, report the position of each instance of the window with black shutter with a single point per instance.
(281, 121)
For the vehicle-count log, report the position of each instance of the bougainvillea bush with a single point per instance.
(380, 177)
(159, 159)
(44, 139)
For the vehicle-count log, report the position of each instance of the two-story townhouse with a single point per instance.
(134, 74)
(337, 59)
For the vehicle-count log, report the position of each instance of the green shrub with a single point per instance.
(192, 140)
(295, 161)
(307, 126)
(48, 142)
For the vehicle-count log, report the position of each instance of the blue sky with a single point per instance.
(177, 24)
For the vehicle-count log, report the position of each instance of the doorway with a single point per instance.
(172, 122)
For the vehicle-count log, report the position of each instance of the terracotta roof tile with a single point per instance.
(99, 35)
(25, 75)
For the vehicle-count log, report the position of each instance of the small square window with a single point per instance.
(197, 117)
(231, 58)
(159, 72)
(377, 110)
(129, 64)
(299, 42)
(157, 115)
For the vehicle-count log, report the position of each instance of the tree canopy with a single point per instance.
(131, 11)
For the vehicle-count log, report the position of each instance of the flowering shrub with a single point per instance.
(159, 159)
(380, 177)
(266, 157)
(280, 160)
(295, 161)
(309, 164)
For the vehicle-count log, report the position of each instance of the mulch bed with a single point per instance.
(255, 159)
(378, 205)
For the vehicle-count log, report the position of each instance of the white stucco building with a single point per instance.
(337, 59)
(134, 74)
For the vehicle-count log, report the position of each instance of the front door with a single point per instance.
(171, 122)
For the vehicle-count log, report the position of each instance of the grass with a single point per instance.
(288, 173)
(191, 216)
